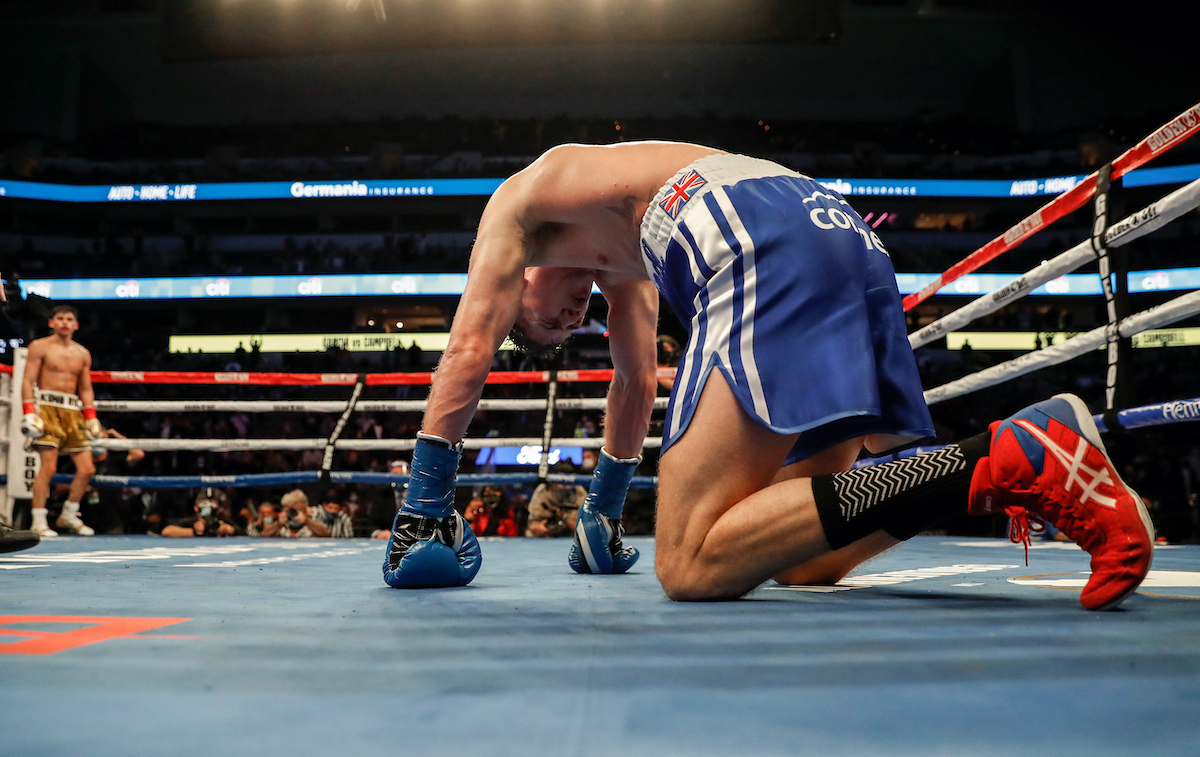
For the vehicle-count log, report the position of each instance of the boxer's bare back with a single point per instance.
(571, 219)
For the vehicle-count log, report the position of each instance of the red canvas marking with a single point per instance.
(50, 642)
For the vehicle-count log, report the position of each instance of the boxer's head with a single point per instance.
(554, 302)
(64, 320)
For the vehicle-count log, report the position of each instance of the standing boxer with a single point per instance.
(59, 415)
(792, 299)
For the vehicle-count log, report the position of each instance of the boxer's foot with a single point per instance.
(1048, 463)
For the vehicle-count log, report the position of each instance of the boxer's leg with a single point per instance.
(84, 469)
(722, 526)
(831, 567)
(41, 490)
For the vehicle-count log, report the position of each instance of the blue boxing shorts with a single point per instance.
(787, 292)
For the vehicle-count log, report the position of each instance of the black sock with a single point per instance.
(903, 497)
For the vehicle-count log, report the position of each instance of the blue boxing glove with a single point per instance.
(431, 545)
(597, 546)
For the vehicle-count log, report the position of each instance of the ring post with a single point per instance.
(23, 464)
(6, 445)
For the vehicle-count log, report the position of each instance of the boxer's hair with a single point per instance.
(63, 309)
(526, 346)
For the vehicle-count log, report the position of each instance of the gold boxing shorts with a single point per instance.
(62, 413)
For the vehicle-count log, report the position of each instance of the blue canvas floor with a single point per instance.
(941, 647)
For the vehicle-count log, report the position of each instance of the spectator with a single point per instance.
(383, 509)
(477, 514)
(211, 518)
(266, 522)
(114, 510)
(304, 521)
(554, 507)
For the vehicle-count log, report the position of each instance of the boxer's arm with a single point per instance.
(87, 396)
(33, 368)
(486, 313)
(632, 329)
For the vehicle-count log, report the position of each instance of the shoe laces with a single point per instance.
(1022, 523)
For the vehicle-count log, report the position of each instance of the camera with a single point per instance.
(209, 512)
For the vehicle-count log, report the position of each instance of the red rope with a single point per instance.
(337, 379)
(1171, 134)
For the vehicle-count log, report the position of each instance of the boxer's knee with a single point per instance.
(84, 467)
(694, 577)
(49, 466)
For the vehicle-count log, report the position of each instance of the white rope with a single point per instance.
(379, 445)
(1161, 315)
(335, 406)
(1148, 219)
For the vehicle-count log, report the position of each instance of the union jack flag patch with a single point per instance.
(680, 192)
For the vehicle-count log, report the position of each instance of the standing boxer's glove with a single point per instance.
(597, 547)
(91, 423)
(431, 545)
(32, 426)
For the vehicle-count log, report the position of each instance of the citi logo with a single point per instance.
(130, 288)
(1157, 280)
(404, 285)
(309, 286)
(218, 288)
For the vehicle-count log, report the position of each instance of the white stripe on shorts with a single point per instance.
(749, 302)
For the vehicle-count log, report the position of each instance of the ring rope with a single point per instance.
(1166, 137)
(361, 445)
(1160, 315)
(1148, 219)
(337, 406)
(1159, 414)
(1163, 413)
(341, 379)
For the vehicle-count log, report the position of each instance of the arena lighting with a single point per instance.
(194, 30)
(452, 284)
(1023, 341)
(350, 189)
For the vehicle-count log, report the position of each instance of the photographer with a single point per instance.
(211, 518)
(266, 522)
(554, 508)
(303, 521)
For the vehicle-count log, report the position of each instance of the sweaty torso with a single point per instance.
(605, 224)
(61, 364)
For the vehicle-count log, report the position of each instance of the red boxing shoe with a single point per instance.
(1048, 463)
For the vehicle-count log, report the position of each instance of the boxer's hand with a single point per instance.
(91, 423)
(32, 426)
(428, 553)
(430, 545)
(597, 546)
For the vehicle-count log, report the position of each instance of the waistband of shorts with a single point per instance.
(59, 399)
(716, 170)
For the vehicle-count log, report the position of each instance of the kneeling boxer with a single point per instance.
(797, 358)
